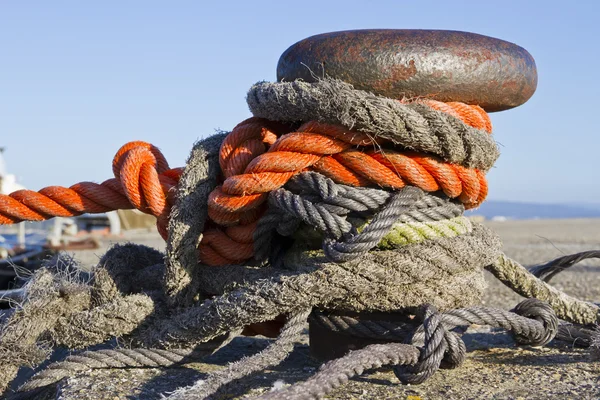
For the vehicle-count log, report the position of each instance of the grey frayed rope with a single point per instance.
(101, 359)
(513, 321)
(337, 372)
(532, 322)
(318, 202)
(439, 344)
(272, 355)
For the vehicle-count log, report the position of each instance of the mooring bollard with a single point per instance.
(446, 66)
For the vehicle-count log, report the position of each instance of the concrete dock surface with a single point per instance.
(495, 367)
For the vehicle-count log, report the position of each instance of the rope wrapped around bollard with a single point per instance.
(329, 201)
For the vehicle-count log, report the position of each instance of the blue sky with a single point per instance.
(79, 79)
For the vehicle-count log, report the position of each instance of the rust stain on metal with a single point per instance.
(444, 65)
(396, 73)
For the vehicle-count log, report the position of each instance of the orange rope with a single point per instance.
(472, 115)
(297, 151)
(330, 150)
(258, 156)
(142, 180)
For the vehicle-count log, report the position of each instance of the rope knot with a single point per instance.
(539, 311)
(441, 349)
(137, 166)
(147, 180)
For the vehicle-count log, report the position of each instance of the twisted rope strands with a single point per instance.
(353, 198)
(239, 199)
(245, 142)
(316, 187)
(532, 322)
(337, 372)
(354, 247)
(549, 270)
(100, 359)
(405, 233)
(360, 199)
(436, 340)
(142, 180)
(432, 208)
(322, 216)
(406, 228)
(274, 354)
(124, 358)
(431, 175)
(296, 151)
(472, 115)
(519, 279)
(528, 330)
(323, 204)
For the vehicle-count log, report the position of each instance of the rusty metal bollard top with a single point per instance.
(442, 65)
